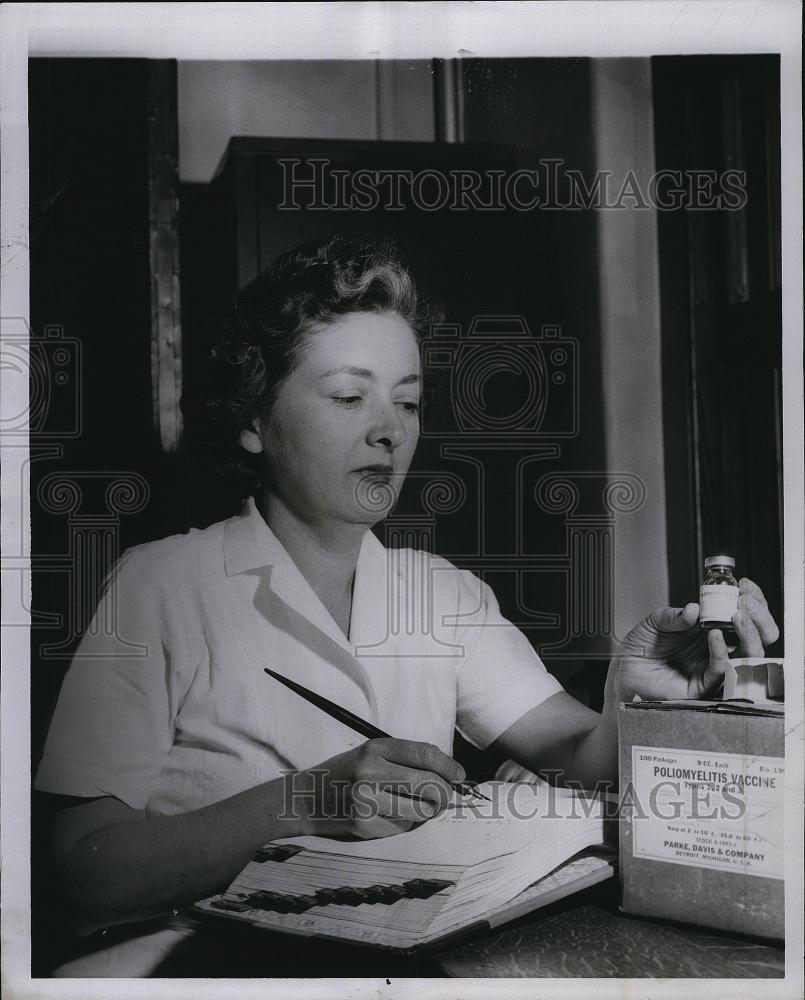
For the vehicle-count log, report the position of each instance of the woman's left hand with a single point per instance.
(667, 656)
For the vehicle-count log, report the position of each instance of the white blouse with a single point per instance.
(166, 705)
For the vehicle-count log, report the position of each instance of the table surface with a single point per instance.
(582, 936)
(591, 939)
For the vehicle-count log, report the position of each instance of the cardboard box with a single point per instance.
(701, 831)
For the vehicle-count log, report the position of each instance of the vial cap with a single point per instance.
(719, 561)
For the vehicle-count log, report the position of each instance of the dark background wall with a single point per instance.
(722, 320)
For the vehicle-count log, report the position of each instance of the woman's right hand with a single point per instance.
(383, 787)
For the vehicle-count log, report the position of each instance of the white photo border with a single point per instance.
(272, 31)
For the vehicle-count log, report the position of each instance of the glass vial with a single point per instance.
(718, 596)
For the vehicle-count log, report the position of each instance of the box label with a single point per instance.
(709, 809)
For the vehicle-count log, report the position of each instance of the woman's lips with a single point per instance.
(375, 470)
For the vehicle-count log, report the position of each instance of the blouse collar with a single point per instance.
(249, 544)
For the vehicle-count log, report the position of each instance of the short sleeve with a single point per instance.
(113, 723)
(501, 677)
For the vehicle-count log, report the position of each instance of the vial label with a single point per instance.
(718, 602)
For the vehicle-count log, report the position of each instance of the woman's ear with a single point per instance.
(251, 439)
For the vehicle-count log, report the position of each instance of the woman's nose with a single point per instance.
(387, 428)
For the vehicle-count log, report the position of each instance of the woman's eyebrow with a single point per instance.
(349, 370)
(366, 373)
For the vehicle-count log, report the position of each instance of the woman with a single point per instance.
(179, 755)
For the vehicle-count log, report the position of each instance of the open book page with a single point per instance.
(470, 831)
(484, 854)
(486, 886)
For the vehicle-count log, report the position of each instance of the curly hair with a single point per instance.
(256, 344)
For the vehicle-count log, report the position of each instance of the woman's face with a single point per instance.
(342, 431)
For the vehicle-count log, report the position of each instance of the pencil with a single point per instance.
(371, 732)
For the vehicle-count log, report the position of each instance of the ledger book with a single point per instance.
(476, 864)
